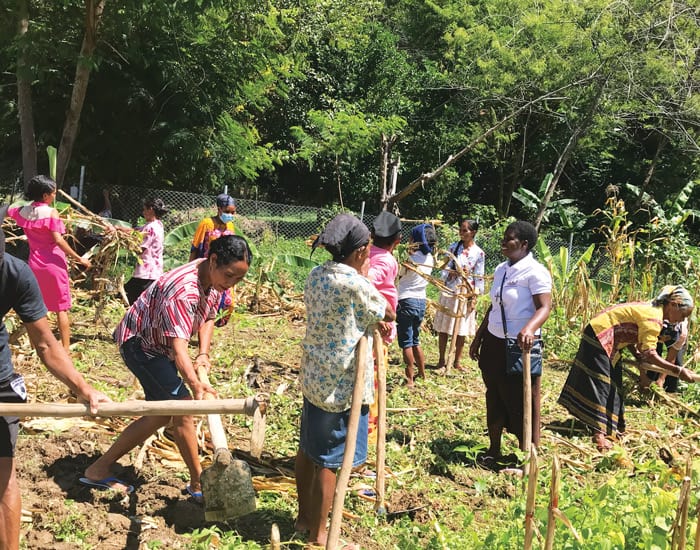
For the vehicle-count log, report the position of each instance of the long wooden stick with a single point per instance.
(222, 454)
(527, 406)
(171, 407)
(341, 484)
(680, 524)
(459, 308)
(530, 502)
(697, 527)
(553, 504)
(380, 506)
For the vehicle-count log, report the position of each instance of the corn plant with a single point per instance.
(620, 242)
(572, 291)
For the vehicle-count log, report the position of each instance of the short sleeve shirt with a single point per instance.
(151, 266)
(412, 285)
(340, 306)
(472, 260)
(175, 306)
(208, 230)
(629, 323)
(521, 281)
(18, 291)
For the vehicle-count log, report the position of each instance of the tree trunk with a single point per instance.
(93, 14)
(24, 98)
(566, 154)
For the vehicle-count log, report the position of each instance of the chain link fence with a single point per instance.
(257, 218)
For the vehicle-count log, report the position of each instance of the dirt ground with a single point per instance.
(52, 454)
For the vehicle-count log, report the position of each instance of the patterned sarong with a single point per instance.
(592, 392)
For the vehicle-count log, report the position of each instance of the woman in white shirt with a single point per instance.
(412, 299)
(521, 296)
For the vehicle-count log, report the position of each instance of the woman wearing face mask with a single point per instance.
(211, 228)
(208, 230)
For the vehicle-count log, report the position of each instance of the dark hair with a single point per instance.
(231, 248)
(473, 224)
(385, 242)
(430, 235)
(159, 208)
(39, 186)
(524, 231)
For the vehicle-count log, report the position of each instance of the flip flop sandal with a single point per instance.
(197, 496)
(107, 484)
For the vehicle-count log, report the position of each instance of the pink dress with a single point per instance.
(46, 260)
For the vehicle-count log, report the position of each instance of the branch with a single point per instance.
(424, 178)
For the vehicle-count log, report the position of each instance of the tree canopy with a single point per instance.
(292, 98)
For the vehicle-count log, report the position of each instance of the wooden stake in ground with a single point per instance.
(680, 524)
(341, 483)
(553, 504)
(459, 311)
(275, 543)
(527, 406)
(380, 506)
(530, 502)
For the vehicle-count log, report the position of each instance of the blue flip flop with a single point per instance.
(106, 484)
(197, 496)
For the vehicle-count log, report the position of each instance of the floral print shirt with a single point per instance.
(341, 305)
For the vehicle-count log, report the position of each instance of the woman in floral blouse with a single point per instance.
(341, 306)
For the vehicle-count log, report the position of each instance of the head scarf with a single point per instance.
(386, 224)
(224, 201)
(424, 235)
(342, 236)
(674, 294)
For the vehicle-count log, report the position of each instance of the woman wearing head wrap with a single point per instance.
(208, 230)
(593, 389)
(341, 305)
(412, 299)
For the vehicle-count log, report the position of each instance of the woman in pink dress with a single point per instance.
(48, 249)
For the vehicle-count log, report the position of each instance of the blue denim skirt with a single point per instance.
(323, 434)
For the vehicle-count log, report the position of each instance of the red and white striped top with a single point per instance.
(175, 306)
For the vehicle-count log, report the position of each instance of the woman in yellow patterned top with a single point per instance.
(592, 392)
(208, 230)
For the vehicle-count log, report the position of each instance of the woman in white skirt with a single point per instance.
(471, 260)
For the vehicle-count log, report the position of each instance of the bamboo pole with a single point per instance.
(697, 527)
(170, 407)
(553, 504)
(527, 406)
(680, 524)
(380, 505)
(530, 502)
(460, 305)
(341, 484)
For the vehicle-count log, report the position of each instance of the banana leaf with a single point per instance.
(297, 261)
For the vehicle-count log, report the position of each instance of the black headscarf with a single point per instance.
(342, 235)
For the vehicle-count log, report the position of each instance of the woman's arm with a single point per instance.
(187, 370)
(63, 245)
(475, 346)
(650, 356)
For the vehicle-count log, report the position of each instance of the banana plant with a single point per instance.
(571, 285)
